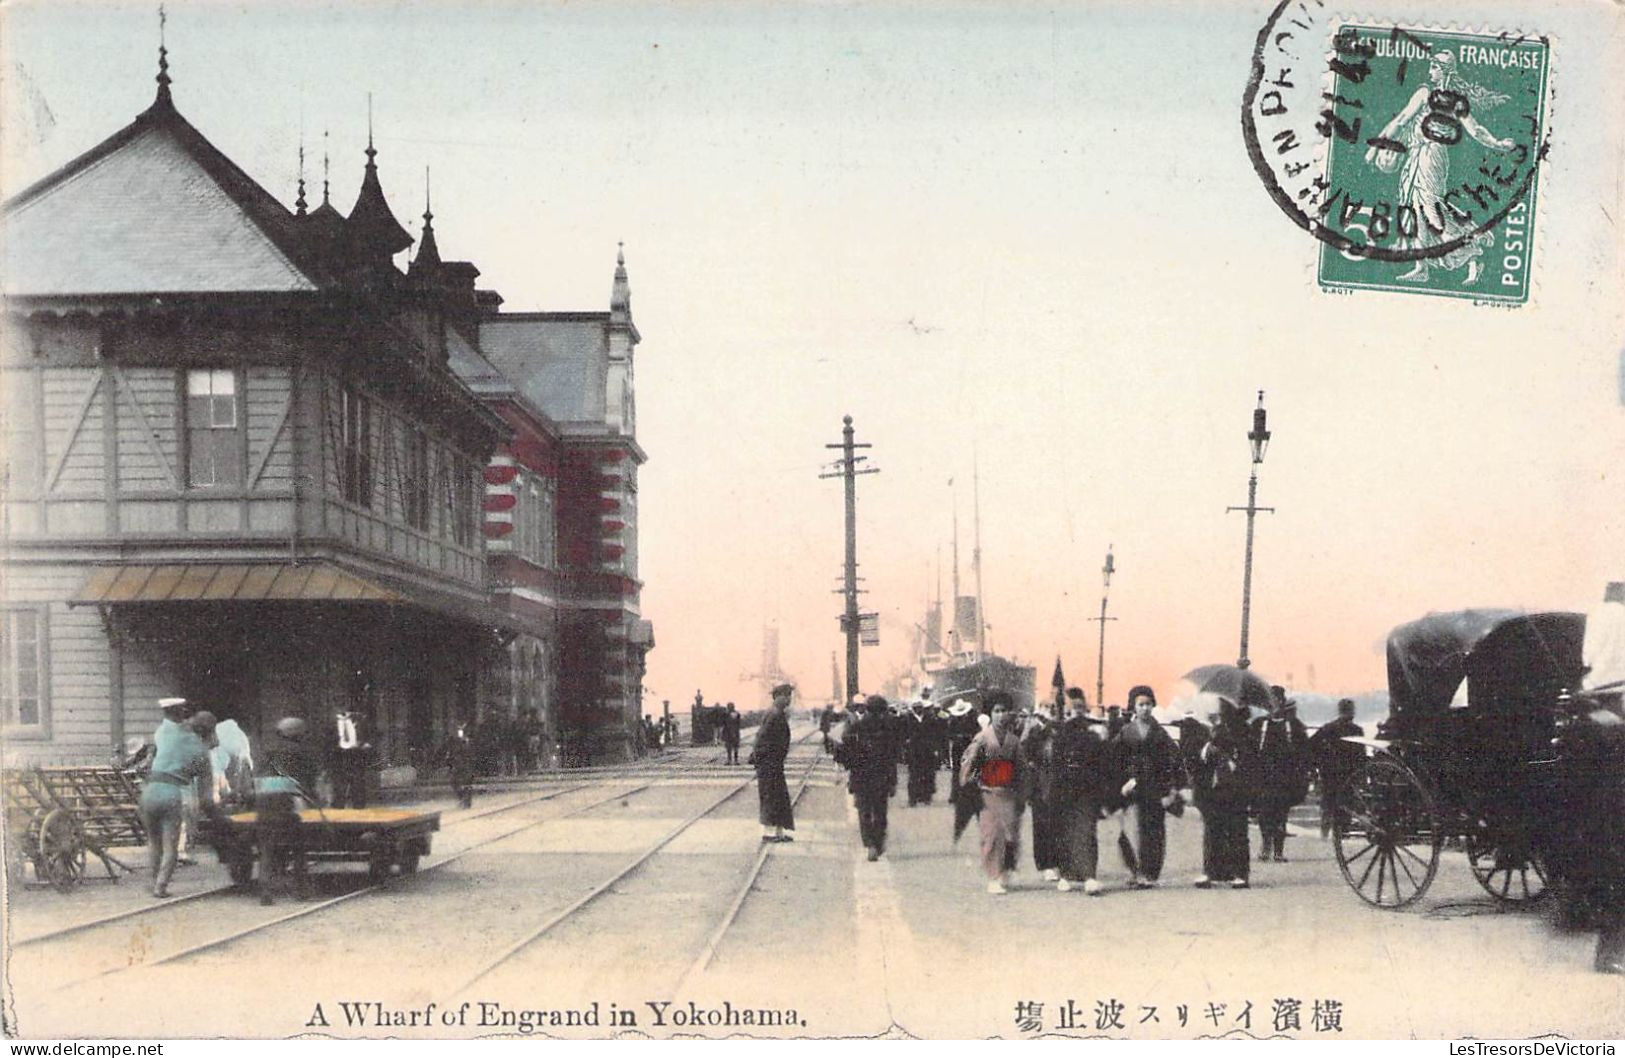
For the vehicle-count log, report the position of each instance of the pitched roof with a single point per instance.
(559, 361)
(154, 208)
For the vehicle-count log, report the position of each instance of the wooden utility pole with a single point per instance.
(848, 470)
(1100, 659)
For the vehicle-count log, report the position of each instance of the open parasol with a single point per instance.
(1242, 686)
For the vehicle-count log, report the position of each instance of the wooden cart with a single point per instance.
(382, 838)
(56, 815)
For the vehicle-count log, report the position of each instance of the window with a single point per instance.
(22, 669)
(416, 473)
(214, 447)
(530, 520)
(463, 510)
(355, 447)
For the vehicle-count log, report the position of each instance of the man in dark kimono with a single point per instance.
(349, 748)
(730, 733)
(1223, 783)
(1282, 778)
(962, 727)
(1152, 761)
(923, 744)
(767, 757)
(868, 751)
(1335, 760)
(826, 721)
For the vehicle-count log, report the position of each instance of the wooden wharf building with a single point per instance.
(251, 462)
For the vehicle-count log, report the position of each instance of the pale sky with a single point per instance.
(1023, 234)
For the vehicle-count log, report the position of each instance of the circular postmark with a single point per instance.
(1396, 143)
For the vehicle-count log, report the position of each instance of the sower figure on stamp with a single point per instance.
(995, 763)
(1152, 761)
(767, 757)
(868, 752)
(1082, 787)
(1424, 176)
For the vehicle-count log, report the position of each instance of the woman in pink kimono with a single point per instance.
(995, 762)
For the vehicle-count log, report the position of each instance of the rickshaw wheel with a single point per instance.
(61, 850)
(1388, 835)
(1508, 872)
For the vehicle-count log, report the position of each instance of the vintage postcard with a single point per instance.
(813, 520)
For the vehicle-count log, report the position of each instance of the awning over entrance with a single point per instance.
(311, 581)
(211, 582)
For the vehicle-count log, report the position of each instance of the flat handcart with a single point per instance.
(385, 839)
(55, 816)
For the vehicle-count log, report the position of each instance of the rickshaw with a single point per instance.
(1469, 754)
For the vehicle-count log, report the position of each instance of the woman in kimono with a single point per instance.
(1083, 786)
(994, 761)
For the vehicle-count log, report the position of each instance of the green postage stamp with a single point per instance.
(1412, 154)
(1457, 115)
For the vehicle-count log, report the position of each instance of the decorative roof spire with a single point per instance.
(428, 252)
(324, 167)
(163, 60)
(372, 224)
(299, 203)
(620, 295)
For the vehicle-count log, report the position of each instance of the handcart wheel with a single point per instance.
(61, 850)
(1388, 834)
(1509, 870)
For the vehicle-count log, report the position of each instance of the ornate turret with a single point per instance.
(373, 227)
(325, 226)
(620, 295)
(427, 262)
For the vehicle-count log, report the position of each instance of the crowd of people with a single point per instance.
(1079, 767)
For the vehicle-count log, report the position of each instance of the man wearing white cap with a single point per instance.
(175, 712)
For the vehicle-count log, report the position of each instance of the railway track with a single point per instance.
(715, 937)
(675, 765)
(165, 906)
(620, 785)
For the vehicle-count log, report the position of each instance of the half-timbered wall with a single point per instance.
(369, 475)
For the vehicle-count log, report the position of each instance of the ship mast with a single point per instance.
(976, 558)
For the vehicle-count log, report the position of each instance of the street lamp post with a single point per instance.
(1259, 438)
